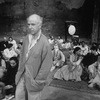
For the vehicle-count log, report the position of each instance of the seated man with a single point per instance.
(96, 79)
(87, 62)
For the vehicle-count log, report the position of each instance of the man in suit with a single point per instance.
(35, 62)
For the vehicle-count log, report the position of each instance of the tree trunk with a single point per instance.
(95, 32)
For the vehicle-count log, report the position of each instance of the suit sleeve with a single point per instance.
(20, 68)
(45, 64)
(21, 56)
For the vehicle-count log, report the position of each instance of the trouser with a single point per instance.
(22, 93)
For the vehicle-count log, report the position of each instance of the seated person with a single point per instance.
(58, 58)
(96, 79)
(11, 72)
(9, 52)
(88, 60)
(73, 69)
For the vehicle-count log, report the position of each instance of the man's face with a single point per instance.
(12, 63)
(33, 26)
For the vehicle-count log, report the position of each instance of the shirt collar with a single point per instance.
(30, 37)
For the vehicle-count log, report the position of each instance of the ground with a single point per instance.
(62, 90)
(67, 90)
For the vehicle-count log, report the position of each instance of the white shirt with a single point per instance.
(9, 53)
(32, 42)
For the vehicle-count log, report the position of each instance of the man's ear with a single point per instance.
(40, 25)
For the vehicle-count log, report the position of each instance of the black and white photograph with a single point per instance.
(49, 49)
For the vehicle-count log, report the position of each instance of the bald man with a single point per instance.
(35, 62)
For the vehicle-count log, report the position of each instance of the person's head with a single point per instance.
(10, 38)
(94, 50)
(13, 61)
(34, 23)
(77, 51)
(83, 43)
(20, 45)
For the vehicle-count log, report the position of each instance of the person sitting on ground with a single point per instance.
(87, 61)
(9, 52)
(58, 58)
(73, 70)
(11, 72)
(96, 80)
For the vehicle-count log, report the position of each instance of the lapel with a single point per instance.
(32, 50)
(26, 49)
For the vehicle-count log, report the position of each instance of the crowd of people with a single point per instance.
(22, 64)
(9, 58)
(76, 60)
(72, 61)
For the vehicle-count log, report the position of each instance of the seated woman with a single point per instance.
(73, 70)
(96, 79)
(58, 58)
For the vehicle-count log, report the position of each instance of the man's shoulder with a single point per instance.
(25, 37)
(44, 39)
(43, 36)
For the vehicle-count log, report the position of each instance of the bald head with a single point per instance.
(34, 24)
(35, 18)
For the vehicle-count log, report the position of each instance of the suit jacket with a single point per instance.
(36, 67)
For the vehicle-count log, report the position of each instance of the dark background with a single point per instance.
(83, 16)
